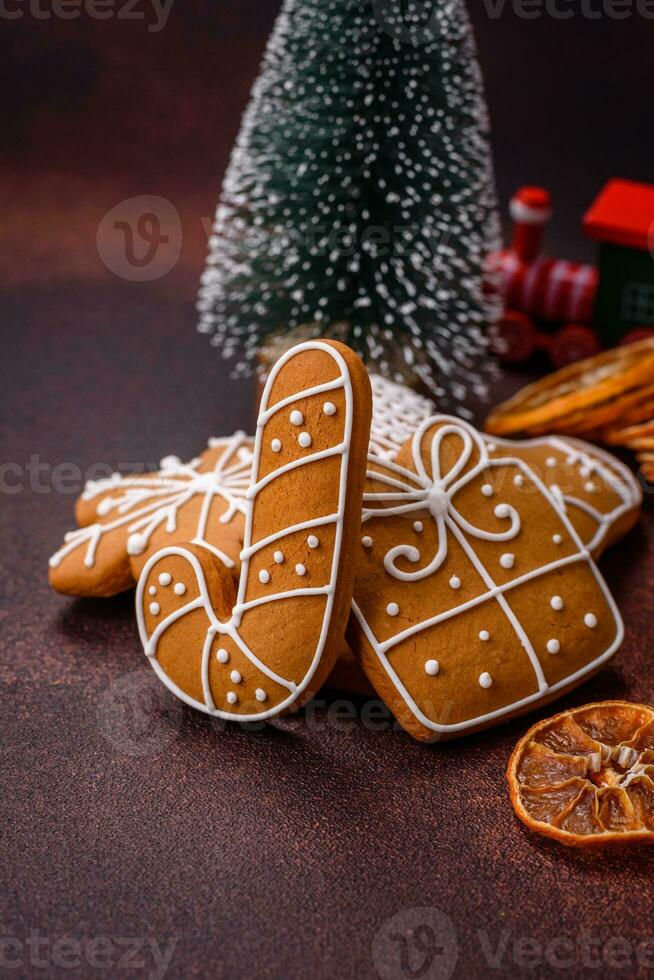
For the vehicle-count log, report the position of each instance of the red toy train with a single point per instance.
(570, 309)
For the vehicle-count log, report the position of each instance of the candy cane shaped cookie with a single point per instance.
(251, 651)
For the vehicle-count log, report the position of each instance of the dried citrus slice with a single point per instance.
(576, 387)
(586, 776)
(632, 435)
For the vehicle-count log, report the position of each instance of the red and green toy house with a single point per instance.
(569, 308)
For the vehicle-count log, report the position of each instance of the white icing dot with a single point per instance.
(417, 526)
(169, 462)
(300, 569)
(297, 418)
(557, 539)
(313, 541)
(590, 620)
(551, 461)
(329, 408)
(553, 646)
(507, 560)
(492, 446)
(485, 680)
(222, 656)
(260, 694)
(484, 635)
(179, 588)
(455, 582)
(432, 667)
(152, 590)
(556, 602)
(304, 440)
(105, 506)
(487, 490)
(392, 609)
(155, 608)
(518, 480)
(276, 445)
(279, 557)
(165, 578)
(366, 541)
(264, 576)
(590, 487)
(231, 697)
(235, 677)
(502, 510)
(136, 544)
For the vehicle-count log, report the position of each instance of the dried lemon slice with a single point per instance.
(578, 387)
(586, 776)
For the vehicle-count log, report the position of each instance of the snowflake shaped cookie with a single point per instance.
(125, 519)
(475, 598)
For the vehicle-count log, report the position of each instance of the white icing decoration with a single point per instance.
(235, 677)
(407, 487)
(518, 480)
(179, 588)
(553, 646)
(551, 461)
(300, 569)
(152, 590)
(276, 445)
(455, 582)
(222, 656)
(590, 487)
(484, 635)
(557, 539)
(432, 667)
(231, 627)
(232, 697)
(304, 440)
(279, 557)
(507, 560)
(485, 680)
(392, 609)
(397, 411)
(329, 408)
(487, 490)
(155, 608)
(556, 602)
(144, 504)
(313, 541)
(264, 576)
(590, 620)
(418, 526)
(260, 694)
(296, 417)
(366, 541)
(165, 578)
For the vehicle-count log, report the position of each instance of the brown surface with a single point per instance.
(273, 853)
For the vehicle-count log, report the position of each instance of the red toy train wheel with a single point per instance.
(573, 343)
(516, 337)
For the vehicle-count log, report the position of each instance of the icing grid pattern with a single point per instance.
(146, 503)
(408, 491)
(397, 411)
(231, 627)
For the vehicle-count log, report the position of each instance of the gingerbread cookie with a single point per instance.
(600, 495)
(397, 411)
(251, 652)
(124, 520)
(475, 598)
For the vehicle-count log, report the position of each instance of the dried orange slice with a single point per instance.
(586, 776)
(578, 386)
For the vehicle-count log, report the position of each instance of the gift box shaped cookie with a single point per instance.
(475, 599)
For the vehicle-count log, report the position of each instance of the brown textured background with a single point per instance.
(277, 853)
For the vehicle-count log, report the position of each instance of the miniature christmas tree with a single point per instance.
(359, 200)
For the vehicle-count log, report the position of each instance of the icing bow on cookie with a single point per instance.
(438, 477)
